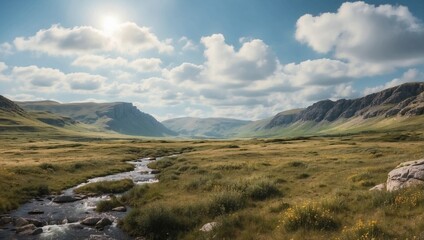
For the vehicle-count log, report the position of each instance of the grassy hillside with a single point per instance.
(342, 126)
(204, 127)
(123, 118)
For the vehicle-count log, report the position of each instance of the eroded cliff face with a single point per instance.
(10, 106)
(404, 100)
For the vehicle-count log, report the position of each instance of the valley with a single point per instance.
(304, 173)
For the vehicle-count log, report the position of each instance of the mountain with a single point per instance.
(204, 127)
(14, 119)
(370, 112)
(120, 117)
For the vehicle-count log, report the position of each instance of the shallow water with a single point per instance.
(63, 218)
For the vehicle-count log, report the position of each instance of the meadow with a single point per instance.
(288, 188)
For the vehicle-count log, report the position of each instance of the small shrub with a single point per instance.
(107, 205)
(48, 167)
(297, 164)
(364, 231)
(155, 222)
(262, 190)
(303, 176)
(309, 217)
(135, 196)
(117, 186)
(226, 202)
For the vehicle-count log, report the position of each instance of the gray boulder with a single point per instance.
(65, 199)
(406, 174)
(19, 222)
(5, 220)
(26, 228)
(120, 209)
(91, 221)
(103, 223)
(208, 227)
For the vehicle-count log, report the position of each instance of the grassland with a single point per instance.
(299, 188)
(307, 188)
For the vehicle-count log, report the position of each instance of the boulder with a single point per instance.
(91, 221)
(103, 223)
(208, 227)
(36, 211)
(26, 228)
(5, 220)
(37, 231)
(406, 174)
(36, 222)
(65, 199)
(379, 187)
(19, 222)
(99, 237)
(120, 209)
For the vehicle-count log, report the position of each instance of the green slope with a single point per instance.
(204, 127)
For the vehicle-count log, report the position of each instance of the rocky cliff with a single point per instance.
(403, 100)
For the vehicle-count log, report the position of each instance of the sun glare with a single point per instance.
(110, 24)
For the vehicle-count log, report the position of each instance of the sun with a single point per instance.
(110, 24)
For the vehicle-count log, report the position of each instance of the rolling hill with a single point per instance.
(120, 117)
(204, 127)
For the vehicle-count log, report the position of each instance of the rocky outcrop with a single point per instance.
(405, 175)
(10, 106)
(403, 100)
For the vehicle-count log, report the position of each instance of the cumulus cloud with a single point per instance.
(3, 67)
(6, 49)
(84, 81)
(184, 72)
(253, 61)
(411, 75)
(364, 33)
(97, 61)
(38, 77)
(187, 44)
(128, 38)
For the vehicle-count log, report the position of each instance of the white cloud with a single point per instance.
(128, 38)
(146, 64)
(34, 78)
(187, 44)
(411, 75)
(3, 67)
(38, 77)
(6, 48)
(84, 81)
(362, 33)
(97, 61)
(131, 38)
(253, 61)
(184, 72)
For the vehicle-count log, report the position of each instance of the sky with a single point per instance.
(244, 59)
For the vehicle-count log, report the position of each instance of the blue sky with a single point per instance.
(239, 59)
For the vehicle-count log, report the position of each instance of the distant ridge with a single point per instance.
(120, 117)
(204, 127)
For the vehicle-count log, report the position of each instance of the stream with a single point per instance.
(63, 220)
